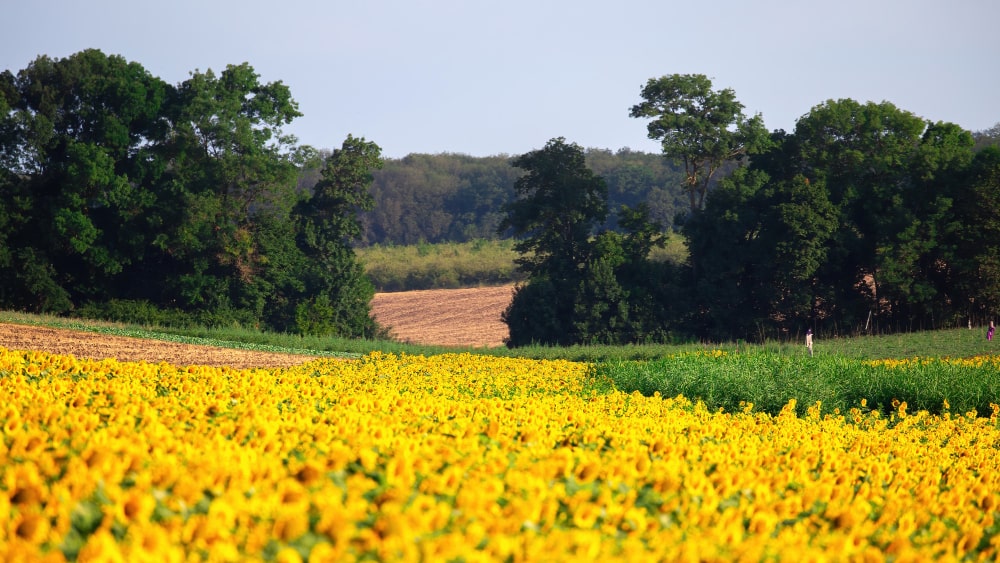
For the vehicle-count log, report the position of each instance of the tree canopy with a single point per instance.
(866, 218)
(847, 224)
(117, 187)
(459, 198)
(700, 128)
(586, 284)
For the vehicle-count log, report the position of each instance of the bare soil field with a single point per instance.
(100, 346)
(448, 317)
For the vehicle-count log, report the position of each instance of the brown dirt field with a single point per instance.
(99, 346)
(447, 317)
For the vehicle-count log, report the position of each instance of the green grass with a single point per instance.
(235, 338)
(948, 343)
(674, 250)
(440, 266)
(842, 376)
(955, 343)
(453, 265)
(249, 339)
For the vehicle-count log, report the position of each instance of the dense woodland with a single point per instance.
(126, 197)
(866, 218)
(458, 198)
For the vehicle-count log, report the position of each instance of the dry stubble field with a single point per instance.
(451, 317)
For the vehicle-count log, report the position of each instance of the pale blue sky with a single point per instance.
(503, 77)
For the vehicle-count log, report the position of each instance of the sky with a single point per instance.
(485, 77)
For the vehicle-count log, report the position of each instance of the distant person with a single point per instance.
(809, 340)
(989, 331)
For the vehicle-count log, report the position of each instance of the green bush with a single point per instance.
(144, 313)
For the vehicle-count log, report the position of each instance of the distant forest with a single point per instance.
(453, 197)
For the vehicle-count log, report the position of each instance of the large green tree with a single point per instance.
(337, 294)
(700, 128)
(78, 143)
(840, 226)
(230, 165)
(723, 239)
(586, 284)
(118, 189)
(559, 204)
(888, 173)
(973, 272)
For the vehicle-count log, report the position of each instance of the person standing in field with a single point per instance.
(990, 331)
(809, 340)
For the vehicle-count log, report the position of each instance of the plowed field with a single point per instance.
(100, 346)
(449, 317)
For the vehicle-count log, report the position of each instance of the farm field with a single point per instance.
(91, 345)
(445, 317)
(467, 317)
(175, 452)
(461, 456)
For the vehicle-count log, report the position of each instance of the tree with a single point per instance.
(337, 293)
(797, 225)
(915, 273)
(586, 284)
(460, 198)
(988, 137)
(723, 240)
(600, 313)
(871, 158)
(231, 168)
(116, 187)
(559, 204)
(974, 233)
(77, 138)
(698, 127)
(840, 223)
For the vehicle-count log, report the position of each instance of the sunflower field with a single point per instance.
(463, 457)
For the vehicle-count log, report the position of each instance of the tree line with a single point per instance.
(122, 195)
(436, 198)
(865, 218)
